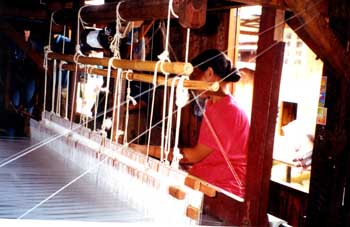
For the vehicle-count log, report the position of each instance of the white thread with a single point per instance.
(170, 120)
(47, 50)
(106, 89)
(59, 88)
(164, 56)
(128, 99)
(77, 64)
(128, 90)
(95, 113)
(83, 23)
(154, 83)
(117, 105)
(53, 85)
(74, 88)
(67, 95)
(132, 41)
(76, 58)
(114, 45)
(187, 44)
(45, 65)
(83, 85)
(171, 9)
(182, 97)
(64, 40)
(107, 124)
(50, 32)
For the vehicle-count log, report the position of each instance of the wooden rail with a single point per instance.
(190, 84)
(149, 66)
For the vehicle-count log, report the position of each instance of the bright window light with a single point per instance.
(95, 2)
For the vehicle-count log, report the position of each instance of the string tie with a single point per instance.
(182, 95)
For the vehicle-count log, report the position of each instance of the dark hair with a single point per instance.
(219, 62)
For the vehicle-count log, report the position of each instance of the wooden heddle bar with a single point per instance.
(177, 68)
(190, 84)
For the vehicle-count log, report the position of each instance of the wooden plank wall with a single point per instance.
(329, 196)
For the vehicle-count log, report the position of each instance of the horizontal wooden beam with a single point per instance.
(37, 14)
(318, 32)
(274, 3)
(190, 84)
(191, 13)
(149, 66)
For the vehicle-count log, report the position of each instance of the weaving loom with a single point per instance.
(29, 180)
(113, 185)
(154, 189)
(138, 188)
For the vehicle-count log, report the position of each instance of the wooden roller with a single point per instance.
(190, 84)
(177, 68)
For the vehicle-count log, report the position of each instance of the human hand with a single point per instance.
(304, 160)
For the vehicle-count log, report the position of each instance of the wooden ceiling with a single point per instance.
(322, 24)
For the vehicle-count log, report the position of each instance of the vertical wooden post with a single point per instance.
(328, 194)
(263, 120)
(234, 28)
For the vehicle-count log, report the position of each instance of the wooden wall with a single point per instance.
(329, 198)
(288, 204)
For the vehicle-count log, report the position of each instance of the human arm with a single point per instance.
(190, 155)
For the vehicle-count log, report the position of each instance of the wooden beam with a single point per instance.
(173, 67)
(274, 3)
(325, 44)
(147, 10)
(38, 14)
(295, 24)
(234, 31)
(190, 84)
(192, 13)
(263, 119)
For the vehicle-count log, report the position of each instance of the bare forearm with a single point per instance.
(153, 151)
(190, 155)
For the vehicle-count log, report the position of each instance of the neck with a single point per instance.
(215, 98)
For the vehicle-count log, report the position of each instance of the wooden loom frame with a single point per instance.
(253, 211)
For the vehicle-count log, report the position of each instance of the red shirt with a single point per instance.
(230, 125)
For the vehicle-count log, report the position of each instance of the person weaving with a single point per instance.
(220, 155)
